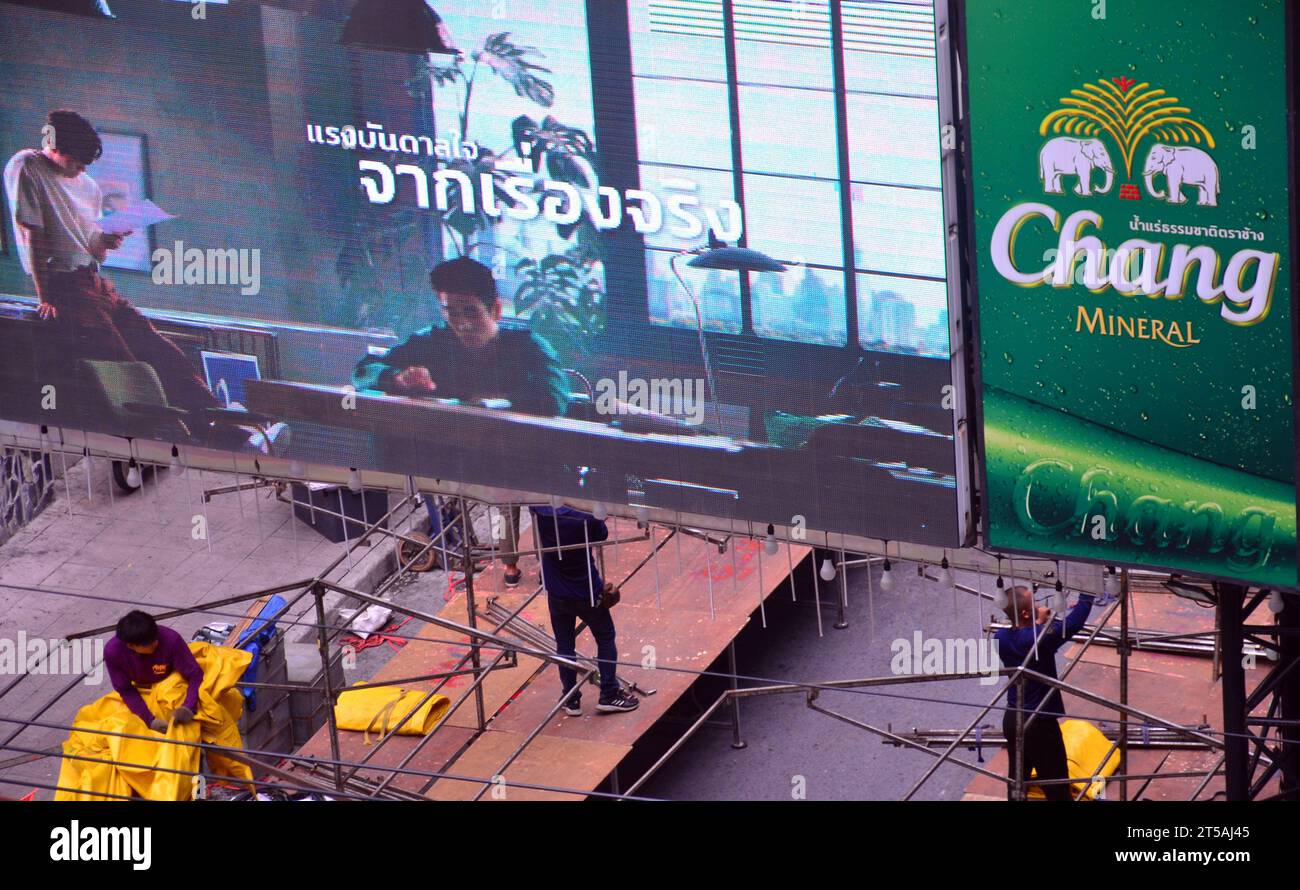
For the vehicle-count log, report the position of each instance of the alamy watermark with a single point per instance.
(681, 398)
(34, 655)
(179, 264)
(951, 655)
(103, 843)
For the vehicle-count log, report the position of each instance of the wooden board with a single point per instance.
(666, 621)
(550, 761)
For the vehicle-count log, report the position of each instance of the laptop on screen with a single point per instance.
(226, 373)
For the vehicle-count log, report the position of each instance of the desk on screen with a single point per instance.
(711, 475)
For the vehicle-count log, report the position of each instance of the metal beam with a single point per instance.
(1236, 747)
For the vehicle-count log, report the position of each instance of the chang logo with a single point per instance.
(1128, 113)
(1121, 118)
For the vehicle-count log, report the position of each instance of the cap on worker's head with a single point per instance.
(137, 628)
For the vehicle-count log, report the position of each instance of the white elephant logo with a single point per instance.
(1064, 156)
(1182, 165)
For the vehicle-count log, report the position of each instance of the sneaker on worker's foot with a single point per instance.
(573, 707)
(513, 577)
(617, 702)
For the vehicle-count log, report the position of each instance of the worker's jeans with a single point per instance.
(100, 325)
(565, 614)
(1044, 752)
(504, 531)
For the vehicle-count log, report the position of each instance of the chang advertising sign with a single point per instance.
(1130, 174)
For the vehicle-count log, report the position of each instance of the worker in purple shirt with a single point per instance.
(142, 654)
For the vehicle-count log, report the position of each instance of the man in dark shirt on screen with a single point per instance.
(1033, 641)
(472, 359)
(143, 654)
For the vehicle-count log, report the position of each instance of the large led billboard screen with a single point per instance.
(680, 253)
(1132, 178)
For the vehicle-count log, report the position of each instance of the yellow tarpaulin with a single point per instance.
(1085, 746)
(140, 766)
(379, 708)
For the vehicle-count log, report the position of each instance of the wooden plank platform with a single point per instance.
(670, 621)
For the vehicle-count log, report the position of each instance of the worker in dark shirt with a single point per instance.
(472, 359)
(575, 590)
(141, 655)
(1033, 640)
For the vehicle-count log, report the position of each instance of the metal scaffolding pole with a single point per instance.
(1236, 744)
(1289, 695)
(1234, 633)
(467, 563)
(1122, 741)
(323, 643)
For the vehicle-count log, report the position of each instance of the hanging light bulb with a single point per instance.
(354, 480)
(296, 469)
(90, 461)
(945, 573)
(600, 511)
(828, 570)
(887, 577)
(641, 513)
(45, 438)
(556, 502)
(176, 466)
(133, 474)
(1276, 603)
(1110, 584)
(1061, 601)
(770, 545)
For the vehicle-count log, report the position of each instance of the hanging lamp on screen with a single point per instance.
(400, 26)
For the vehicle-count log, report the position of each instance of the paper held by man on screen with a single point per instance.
(139, 215)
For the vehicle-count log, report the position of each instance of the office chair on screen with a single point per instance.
(130, 397)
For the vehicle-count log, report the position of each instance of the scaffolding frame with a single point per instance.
(1254, 749)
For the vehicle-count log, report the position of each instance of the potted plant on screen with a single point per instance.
(561, 291)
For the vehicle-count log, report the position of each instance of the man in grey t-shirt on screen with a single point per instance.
(56, 207)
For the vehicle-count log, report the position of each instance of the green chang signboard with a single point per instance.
(1129, 175)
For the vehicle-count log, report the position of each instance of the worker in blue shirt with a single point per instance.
(1032, 640)
(575, 590)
